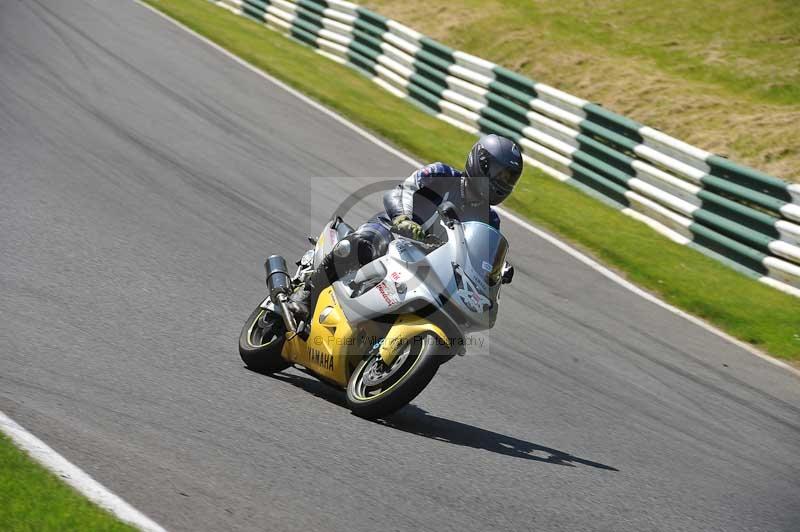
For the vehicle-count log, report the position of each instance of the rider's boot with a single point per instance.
(304, 299)
(298, 303)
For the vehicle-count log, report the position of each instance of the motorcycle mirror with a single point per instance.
(508, 274)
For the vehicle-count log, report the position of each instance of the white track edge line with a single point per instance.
(75, 477)
(560, 244)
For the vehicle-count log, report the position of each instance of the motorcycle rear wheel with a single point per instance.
(261, 341)
(375, 390)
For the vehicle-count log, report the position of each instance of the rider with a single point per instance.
(494, 165)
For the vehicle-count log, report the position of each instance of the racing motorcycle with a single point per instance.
(381, 331)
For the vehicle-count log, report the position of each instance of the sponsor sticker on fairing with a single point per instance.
(388, 293)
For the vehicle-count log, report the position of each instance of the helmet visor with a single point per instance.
(507, 178)
(503, 185)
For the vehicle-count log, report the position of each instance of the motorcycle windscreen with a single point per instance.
(486, 249)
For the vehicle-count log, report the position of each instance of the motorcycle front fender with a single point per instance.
(404, 329)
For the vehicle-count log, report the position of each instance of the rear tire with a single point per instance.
(261, 341)
(376, 391)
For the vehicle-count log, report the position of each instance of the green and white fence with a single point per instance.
(743, 217)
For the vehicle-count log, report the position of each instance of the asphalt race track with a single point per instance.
(144, 177)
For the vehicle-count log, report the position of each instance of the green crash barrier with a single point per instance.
(736, 212)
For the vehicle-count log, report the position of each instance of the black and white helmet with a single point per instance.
(500, 161)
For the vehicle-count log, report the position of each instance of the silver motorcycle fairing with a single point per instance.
(405, 279)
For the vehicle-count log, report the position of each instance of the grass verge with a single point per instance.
(33, 499)
(685, 278)
(723, 75)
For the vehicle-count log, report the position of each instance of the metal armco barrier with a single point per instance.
(745, 218)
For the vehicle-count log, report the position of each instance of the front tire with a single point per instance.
(375, 390)
(261, 341)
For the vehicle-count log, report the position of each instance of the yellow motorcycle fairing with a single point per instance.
(329, 343)
(333, 347)
(404, 329)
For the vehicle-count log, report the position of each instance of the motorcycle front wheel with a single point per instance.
(377, 390)
(261, 341)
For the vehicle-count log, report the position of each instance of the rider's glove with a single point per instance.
(405, 226)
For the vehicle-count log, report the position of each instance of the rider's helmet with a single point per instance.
(499, 161)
